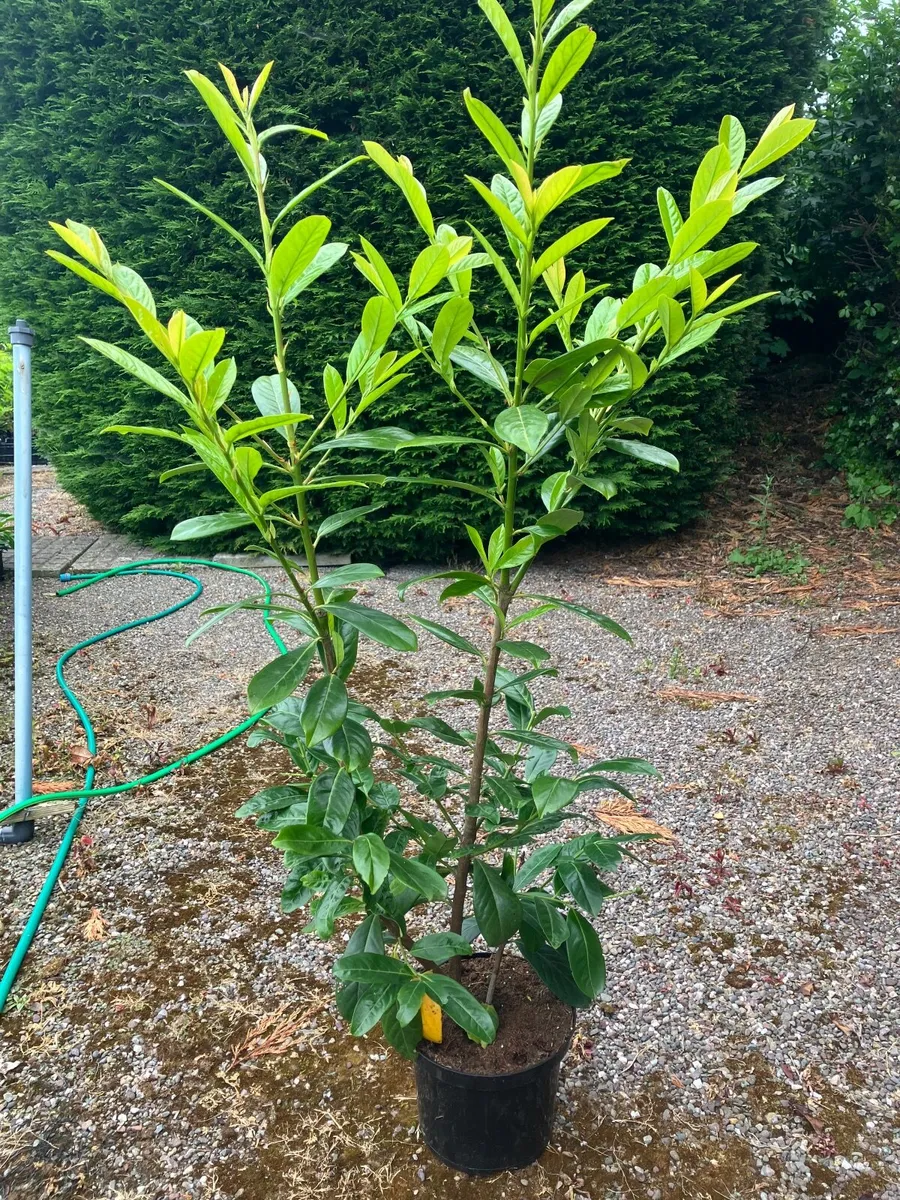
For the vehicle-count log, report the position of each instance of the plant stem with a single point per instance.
(505, 591)
(495, 971)
(309, 550)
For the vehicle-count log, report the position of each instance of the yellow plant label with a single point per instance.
(431, 1020)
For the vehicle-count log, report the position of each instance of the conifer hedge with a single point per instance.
(93, 106)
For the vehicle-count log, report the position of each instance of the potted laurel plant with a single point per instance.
(487, 1077)
(495, 810)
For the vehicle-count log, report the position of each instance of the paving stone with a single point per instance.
(50, 556)
(111, 550)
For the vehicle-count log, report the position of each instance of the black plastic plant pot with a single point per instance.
(482, 1124)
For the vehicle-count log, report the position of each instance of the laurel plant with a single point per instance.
(571, 385)
(486, 803)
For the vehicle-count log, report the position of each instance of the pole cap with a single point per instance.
(21, 334)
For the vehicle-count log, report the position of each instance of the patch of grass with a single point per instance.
(772, 560)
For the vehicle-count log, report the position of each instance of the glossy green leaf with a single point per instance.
(524, 426)
(539, 910)
(585, 954)
(497, 908)
(552, 793)
(552, 966)
(475, 1018)
(450, 636)
(324, 709)
(421, 878)
(280, 678)
(371, 860)
(371, 623)
(440, 947)
(312, 841)
(409, 1000)
(199, 527)
(371, 1007)
(330, 799)
(378, 970)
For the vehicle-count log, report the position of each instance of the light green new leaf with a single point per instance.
(494, 131)
(670, 214)
(141, 370)
(427, 272)
(323, 261)
(700, 227)
(245, 429)
(294, 253)
(566, 61)
(564, 17)
(641, 450)
(524, 426)
(496, 14)
(752, 191)
(198, 352)
(776, 143)
(509, 221)
(451, 324)
(149, 430)
(220, 221)
(732, 136)
(225, 118)
(568, 242)
(715, 162)
(198, 527)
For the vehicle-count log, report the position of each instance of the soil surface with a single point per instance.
(533, 1022)
(172, 1035)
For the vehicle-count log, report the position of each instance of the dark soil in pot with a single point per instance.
(489, 1109)
(534, 1023)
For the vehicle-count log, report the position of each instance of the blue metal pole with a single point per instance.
(22, 338)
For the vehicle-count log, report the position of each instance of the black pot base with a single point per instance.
(485, 1124)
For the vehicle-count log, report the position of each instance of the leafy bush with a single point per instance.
(6, 389)
(847, 243)
(567, 385)
(91, 109)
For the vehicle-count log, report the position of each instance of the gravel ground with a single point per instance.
(53, 512)
(172, 1037)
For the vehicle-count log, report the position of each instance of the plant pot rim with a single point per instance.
(493, 1079)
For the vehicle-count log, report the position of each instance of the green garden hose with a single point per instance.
(155, 566)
